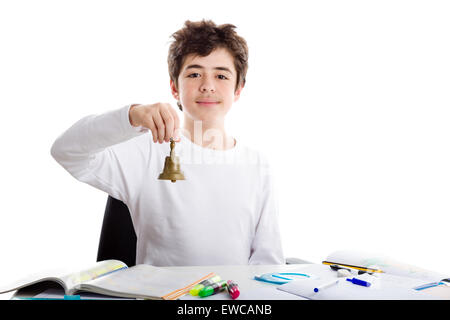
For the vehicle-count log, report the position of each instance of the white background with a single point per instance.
(349, 99)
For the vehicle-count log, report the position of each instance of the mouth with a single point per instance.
(207, 103)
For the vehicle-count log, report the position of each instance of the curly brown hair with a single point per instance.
(201, 38)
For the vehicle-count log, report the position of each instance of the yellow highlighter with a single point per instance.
(198, 287)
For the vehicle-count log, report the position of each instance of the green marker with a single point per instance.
(198, 287)
(212, 289)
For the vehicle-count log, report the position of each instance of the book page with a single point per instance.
(100, 269)
(66, 277)
(54, 275)
(142, 281)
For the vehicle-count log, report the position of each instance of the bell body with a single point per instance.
(171, 170)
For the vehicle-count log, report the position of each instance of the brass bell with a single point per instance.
(171, 169)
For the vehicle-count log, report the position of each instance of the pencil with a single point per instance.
(353, 267)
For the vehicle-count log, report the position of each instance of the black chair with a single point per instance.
(118, 238)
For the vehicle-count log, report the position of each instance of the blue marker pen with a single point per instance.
(359, 282)
(325, 285)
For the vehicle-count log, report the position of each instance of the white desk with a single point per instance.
(257, 290)
(249, 288)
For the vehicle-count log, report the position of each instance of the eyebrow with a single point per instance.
(197, 66)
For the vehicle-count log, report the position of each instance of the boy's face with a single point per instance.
(206, 86)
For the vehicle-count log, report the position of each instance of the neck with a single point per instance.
(208, 134)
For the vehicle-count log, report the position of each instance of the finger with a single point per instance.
(160, 128)
(151, 126)
(168, 122)
(176, 121)
(176, 135)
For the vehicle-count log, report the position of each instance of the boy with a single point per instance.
(224, 213)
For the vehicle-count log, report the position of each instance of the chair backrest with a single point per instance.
(117, 238)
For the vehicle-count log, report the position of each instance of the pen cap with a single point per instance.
(207, 291)
(198, 287)
(233, 289)
(213, 288)
(359, 282)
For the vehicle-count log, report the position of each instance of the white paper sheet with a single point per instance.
(381, 289)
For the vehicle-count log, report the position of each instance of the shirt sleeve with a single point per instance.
(266, 246)
(96, 150)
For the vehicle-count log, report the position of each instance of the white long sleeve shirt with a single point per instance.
(224, 213)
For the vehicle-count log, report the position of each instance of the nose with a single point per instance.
(207, 85)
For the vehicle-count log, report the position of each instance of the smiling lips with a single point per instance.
(207, 102)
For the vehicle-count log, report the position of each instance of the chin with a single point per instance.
(210, 118)
(206, 117)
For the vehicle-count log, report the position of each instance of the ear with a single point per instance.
(174, 90)
(237, 93)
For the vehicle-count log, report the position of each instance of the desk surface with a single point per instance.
(251, 289)
(256, 290)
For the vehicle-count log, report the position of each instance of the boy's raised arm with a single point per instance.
(91, 151)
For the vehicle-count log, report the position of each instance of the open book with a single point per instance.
(114, 278)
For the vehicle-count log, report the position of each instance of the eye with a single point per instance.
(224, 77)
(191, 75)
